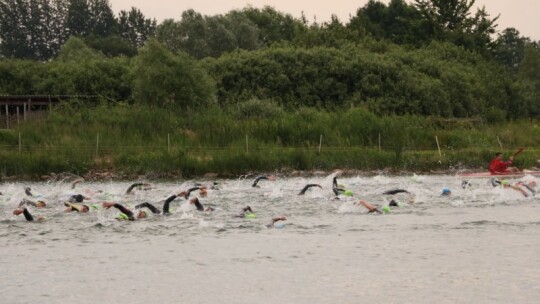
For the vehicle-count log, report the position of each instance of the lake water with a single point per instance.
(480, 245)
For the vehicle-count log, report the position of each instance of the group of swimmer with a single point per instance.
(75, 203)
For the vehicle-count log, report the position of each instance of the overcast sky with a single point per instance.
(520, 14)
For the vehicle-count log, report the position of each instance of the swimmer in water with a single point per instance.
(245, 212)
(395, 191)
(77, 198)
(275, 220)
(76, 207)
(143, 186)
(202, 191)
(125, 214)
(521, 187)
(336, 187)
(466, 184)
(263, 177)
(27, 215)
(166, 205)
(307, 187)
(38, 204)
(369, 207)
(195, 201)
(28, 191)
(446, 192)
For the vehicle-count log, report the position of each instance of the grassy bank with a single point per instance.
(250, 137)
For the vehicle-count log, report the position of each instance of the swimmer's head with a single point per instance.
(393, 203)
(271, 177)
(446, 191)
(465, 184)
(348, 193)
(385, 209)
(141, 214)
(203, 192)
(41, 204)
(505, 182)
(85, 208)
(532, 184)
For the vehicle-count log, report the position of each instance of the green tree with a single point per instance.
(102, 20)
(451, 20)
(169, 33)
(78, 19)
(135, 28)
(510, 48)
(162, 78)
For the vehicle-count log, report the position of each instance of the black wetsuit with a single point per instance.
(166, 206)
(307, 187)
(191, 190)
(125, 211)
(337, 190)
(133, 186)
(395, 191)
(393, 203)
(27, 215)
(149, 206)
(258, 179)
(28, 191)
(198, 205)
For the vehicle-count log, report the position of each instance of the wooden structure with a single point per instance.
(20, 107)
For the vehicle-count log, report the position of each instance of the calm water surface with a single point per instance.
(481, 245)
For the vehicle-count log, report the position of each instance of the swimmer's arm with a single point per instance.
(190, 190)
(133, 186)
(76, 182)
(149, 206)
(197, 204)
(167, 204)
(27, 215)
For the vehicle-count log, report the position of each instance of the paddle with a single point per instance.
(518, 152)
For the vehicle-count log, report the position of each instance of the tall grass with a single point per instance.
(254, 136)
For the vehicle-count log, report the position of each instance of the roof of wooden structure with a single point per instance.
(39, 99)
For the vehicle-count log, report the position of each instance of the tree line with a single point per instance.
(431, 57)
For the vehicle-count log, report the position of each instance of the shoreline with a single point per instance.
(118, 176)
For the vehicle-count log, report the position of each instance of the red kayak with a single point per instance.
(488, 174)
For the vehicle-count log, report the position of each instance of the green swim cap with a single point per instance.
(123, 216)
(505, 182)
(386, 209)
(348, 193)
(250, 215)
(94, 207)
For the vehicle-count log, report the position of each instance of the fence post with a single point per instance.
(20, 143)
(379, 142)
(320, 144)
(7, 117)
(97, 145)
(438, 147)
(17, 114)
(500, 143)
